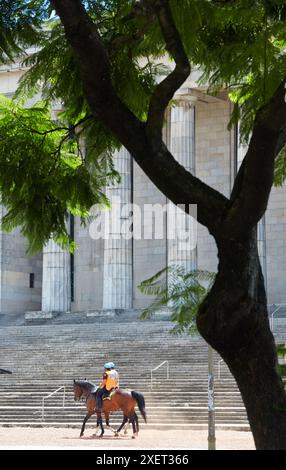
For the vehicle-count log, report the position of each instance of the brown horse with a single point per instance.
(123, 400)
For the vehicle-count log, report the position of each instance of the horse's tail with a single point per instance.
(141, 403)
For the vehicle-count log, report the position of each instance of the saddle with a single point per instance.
(109, 394)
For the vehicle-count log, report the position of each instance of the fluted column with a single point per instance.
(182, 146)
(117, 277)
(56, 295)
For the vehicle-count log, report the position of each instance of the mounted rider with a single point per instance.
(114, 374)
(109, 382)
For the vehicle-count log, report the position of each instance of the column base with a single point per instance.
(39, 314)
(79, 316)
(102, 313)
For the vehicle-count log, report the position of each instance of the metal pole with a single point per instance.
(211, 405)
(43, 407)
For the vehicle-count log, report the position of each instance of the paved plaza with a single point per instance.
(148, 439)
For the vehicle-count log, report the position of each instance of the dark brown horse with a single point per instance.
(123, 400)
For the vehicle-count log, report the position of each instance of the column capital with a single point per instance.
(185, 97)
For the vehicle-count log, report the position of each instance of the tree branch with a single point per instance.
(254, 180)
(223, 2)
(95, 72)
(78, 27)
(167, 88)
(181, 187)
(175, 182)
(128, 39)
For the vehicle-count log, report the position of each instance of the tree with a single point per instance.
(239, 45)
(20, 26)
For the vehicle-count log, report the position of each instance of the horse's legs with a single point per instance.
(136, 422)
(99, 423)
(87, 416)
(125, 420)
(133, 421)
(107, 423)
(126, 427)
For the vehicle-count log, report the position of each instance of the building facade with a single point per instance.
(104, 273)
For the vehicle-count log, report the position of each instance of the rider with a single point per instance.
(109, 381)
(114, 374)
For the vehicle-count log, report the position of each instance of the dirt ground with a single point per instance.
(55, 438)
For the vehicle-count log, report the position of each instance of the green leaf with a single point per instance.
(43, 175)
(182, 296)
(280, 168)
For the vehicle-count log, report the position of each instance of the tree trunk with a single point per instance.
(234, 321)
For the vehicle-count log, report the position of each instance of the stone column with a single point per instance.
(182, 147)
(117, 271)
(56, 290)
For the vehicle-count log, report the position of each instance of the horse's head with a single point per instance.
(77, 390)
(82, 388)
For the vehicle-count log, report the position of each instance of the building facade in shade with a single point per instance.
(104, 272)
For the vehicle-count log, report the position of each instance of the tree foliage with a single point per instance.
(280, 168)
(182, 295)
(20, 26)
(44, 174)
(238, 45)
(281, 352)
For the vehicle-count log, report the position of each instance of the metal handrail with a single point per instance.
(272, 315)
(50, 395)
(158, 367)
(218, 368)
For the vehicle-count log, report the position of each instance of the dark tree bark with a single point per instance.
(234, 321)
(233, 318)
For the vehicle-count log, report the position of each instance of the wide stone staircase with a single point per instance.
(46, 355)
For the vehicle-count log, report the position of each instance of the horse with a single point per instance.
(123, 400)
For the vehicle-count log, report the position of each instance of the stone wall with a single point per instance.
(149, 256)
(16, 295)
(275, 222)
(88, 270)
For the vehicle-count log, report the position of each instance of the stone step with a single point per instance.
(46, 356)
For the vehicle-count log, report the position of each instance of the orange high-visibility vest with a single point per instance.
(111, 381)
